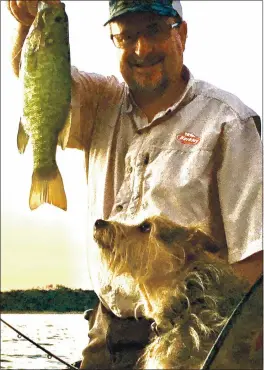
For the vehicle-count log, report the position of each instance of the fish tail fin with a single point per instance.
(47, 189)
(22, 138)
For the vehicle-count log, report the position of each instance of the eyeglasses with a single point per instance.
(154, 32)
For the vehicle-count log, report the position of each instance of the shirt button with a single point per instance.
(146, 160)
(130, 170)
(119, 208)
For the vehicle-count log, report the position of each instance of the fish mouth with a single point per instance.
(43, 5)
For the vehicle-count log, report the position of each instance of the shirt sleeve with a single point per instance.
(89, 90)
(240, 188)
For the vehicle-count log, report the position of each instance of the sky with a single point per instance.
(48, 246)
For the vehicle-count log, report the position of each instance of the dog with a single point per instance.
(187, 289)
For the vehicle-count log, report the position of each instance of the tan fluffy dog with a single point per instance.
(187, 289)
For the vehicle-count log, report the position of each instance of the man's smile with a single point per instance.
(145, 67)
(147, 63)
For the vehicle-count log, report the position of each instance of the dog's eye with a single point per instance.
(145, 227)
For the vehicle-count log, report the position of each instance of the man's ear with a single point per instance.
(206, 241)
(183, 31)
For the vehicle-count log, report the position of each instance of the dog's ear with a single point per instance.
(206, 241)
(171, 235)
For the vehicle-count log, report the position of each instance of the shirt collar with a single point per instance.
(131, 105)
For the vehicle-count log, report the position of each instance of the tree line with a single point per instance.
(60, 299)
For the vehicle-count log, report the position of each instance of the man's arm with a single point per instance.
(21, 34)
(240, 194)
(250, 268)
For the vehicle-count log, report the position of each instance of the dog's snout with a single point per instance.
(101, 224)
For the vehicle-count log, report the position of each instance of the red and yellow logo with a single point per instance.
(188, 138)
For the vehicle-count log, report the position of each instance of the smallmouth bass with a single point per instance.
(45, 74)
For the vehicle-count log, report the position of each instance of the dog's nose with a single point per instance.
(101, 224)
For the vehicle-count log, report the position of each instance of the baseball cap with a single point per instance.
(170, 8)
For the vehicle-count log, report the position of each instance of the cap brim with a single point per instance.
(125, 11)
(139, 9)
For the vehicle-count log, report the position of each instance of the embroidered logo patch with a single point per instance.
(188, 138)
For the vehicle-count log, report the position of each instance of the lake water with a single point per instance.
(65, 335)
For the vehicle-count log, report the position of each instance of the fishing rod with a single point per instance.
(226, 329)
(50, 354)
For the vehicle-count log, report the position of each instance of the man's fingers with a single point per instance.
(32, 6)
(9, 7)
(20, 13)
(12, 7)
(20, 3)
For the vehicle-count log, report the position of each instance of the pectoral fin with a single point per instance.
(65, 132)
(22, 138)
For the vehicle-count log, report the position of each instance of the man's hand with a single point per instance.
(25, 10)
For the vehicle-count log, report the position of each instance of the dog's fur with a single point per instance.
(186, 288)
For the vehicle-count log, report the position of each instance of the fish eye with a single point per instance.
(145, 227)
(58, 19)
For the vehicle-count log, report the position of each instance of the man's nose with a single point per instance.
(143, 46)
(101, 224)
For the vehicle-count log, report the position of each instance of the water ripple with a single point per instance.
(65, 334)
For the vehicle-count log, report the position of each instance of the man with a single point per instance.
(160, 143)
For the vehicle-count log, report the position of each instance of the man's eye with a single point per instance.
(145, 227)
(127, 37)
(123, 38)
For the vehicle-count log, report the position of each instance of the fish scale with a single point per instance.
(45, 75)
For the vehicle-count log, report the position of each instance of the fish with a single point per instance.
(45, 77)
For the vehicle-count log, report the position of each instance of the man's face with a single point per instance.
(154, 59)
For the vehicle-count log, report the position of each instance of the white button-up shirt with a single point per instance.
(198, 162)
